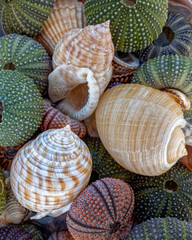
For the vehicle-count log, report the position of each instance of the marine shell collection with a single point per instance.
(95, 119)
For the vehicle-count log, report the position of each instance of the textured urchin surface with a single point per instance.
(169, 194)
(175, 39)
(162, 229)
(3, 193)
(22, 53)
(33, 231)
(132, 27)
(103, 164)
(22, 108)
(24, 16)
(102, 211)
(168, 71)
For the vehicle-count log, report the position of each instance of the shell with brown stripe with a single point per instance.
(50, 171)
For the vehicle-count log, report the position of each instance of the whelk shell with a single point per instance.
(48, 173)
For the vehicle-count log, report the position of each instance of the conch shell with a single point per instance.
(48, 173)
(66, 15)
(141, 128)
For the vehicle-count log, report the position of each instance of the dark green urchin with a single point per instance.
(21, 108)
(24, 16)
(103, 164)
(22, 53)
(167, 72)
(169, 194)
(134, 24)
(3, 193)
(176, 38)
(162, 229)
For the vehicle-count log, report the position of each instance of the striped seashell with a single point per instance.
(61, 236)
(90, 124)
(141, 128)
(53, 119)
(176, 39)
(57, 168)
(102, 211)
(66, 15)
(3, 192)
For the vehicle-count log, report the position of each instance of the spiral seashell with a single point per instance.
(57, 168)
(102, 211)
(134, 24)
(141, 128)
(171, 71)
(61, 236)
(175, 39)
(53, 119)
(187, 160)
(66, 15)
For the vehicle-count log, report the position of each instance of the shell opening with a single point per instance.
(171, 186)
(129, 2)
(1, 110)
(165, 38)
(9, 66)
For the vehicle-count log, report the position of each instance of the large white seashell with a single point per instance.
(48, 173)
(141, 128)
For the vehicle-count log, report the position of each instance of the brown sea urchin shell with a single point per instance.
(102, 211)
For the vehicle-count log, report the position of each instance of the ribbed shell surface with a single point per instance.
(141, 128)
(24, 16)
(3, 192)
(50, 171)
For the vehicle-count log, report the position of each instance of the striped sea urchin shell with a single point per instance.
(102, 211)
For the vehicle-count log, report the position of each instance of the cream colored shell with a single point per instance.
(141, 128)
(48, 173)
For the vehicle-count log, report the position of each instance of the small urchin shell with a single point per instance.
(132, 27)
(2, 192)
(166, 195)
(24, 16)
(22, 108)
(102, 211)
(167, 71)
(22, 53)
(162, 229)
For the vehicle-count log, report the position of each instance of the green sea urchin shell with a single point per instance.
(103, 164)
(162, 229)
(22, 108)
(175, 39)
(132, 27)
(22, 53)
(3, 194)
(169, 194)
(24, 16)
(168, 71)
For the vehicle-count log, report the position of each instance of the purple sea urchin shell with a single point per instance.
(13, 232)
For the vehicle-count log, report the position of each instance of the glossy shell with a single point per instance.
(141, 128)
(102, 211)
(187, 160)
(58, 167)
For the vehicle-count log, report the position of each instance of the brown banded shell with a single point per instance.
(187, 160)
(48, 173)
(66, 15)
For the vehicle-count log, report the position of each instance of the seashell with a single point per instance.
(90, 124)
(24, 17)
(171, 71)
(141, 128)
(66, 15)
(61, 235)
(22, 53)
(161, 229)
(22, 108)
(175, 39)
(184, 7)
(3, 192)
(76, 89)
(33, 231)
(103, 164)
(14, 212)
(187, 130)
(53, 119)
(102, 211)
(165, 195)
(90, 47)
(187, 160)
(134, 24)
(57, 168)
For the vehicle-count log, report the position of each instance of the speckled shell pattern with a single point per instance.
(162, 229)
(61, 236)
(3, 192)
(132, 27)
(48, 173)
(169, 71)
(102, 211)
(165, 195)
(25, 55)
(24, 16)
(53, 119)
(141, 128)
(66, 15)
(178, 44)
